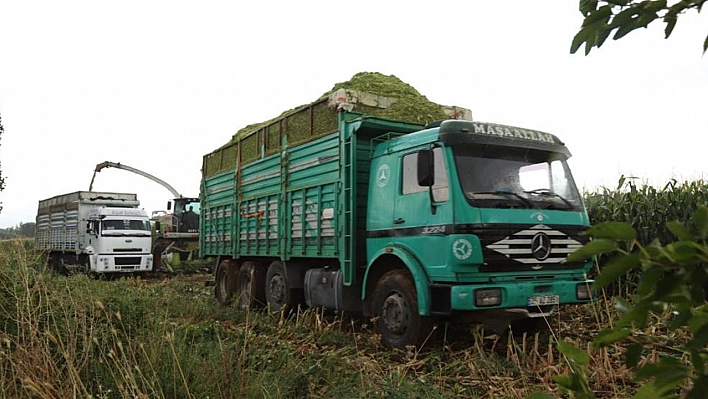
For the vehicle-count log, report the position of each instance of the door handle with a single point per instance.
(399, 221)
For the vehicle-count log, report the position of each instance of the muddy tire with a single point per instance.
(279, 295)
(225, 284)
(250, 286)
(396, 310)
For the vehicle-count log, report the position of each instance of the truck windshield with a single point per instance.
(122, 227)
(511, 177)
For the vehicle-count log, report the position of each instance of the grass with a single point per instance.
(131, 337)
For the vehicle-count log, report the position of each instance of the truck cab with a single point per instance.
(483, 216)
(118, 240)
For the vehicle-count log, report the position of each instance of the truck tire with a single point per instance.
(56, 264)
(225, 284)
(396, 310)
(250, 286)
(279, 295)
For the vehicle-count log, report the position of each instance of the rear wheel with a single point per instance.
(279, 296)
(226, 275)
(250, 286)
(396, 306)
(56, 264)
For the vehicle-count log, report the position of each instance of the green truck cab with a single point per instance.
(407, 223)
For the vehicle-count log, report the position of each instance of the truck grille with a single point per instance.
(509, 248)
(128, 260)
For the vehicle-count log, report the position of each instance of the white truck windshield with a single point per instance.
(136, 227)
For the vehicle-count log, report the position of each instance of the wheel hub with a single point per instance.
(395, 313)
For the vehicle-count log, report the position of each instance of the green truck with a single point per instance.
(331, 207)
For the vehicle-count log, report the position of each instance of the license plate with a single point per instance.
(542, 300)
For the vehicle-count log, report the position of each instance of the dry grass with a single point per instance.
(76, 337)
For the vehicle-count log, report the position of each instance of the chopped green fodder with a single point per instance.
(318, 119)
(410, 106)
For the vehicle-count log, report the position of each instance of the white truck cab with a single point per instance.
(119, 240)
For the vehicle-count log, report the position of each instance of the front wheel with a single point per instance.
(396, 306)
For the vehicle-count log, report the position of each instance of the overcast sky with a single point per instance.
(158, 84)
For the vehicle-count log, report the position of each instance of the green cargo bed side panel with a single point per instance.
(217, 215)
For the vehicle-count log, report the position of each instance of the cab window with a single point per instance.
(409, 181)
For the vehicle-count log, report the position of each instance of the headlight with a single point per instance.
(584, 291)
(487, 297)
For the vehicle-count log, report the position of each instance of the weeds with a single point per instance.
(80, 337)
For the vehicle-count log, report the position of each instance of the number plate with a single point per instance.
(542, 300)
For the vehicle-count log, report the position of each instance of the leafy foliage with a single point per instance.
(648, 210)
(673, 276)
(604, 17)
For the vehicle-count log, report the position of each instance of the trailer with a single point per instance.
(94, 232)
(329, 206)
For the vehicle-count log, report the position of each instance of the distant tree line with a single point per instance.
(21, 230)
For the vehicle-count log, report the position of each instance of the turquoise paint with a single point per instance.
(416, 270)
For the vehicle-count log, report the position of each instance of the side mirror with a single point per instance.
(426, 170)
(169, 205)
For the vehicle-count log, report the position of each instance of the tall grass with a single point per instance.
(79, 337)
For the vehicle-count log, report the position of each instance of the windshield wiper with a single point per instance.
(507, 194)
(548, 193)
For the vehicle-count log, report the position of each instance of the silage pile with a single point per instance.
(409, 106)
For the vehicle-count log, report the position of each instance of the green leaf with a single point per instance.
(587, 6)
(699, 388)
(705, 45)
(687, 252)
(578, 40)
(700, 338)
(668, 374)
(617, 267)
(594, 247)
(649, 278)
(636, 315)
(573, 353)
(679, 230)
(613, 231)
(697, 321)
(625, 28)
(633, 355)
(655, 5)
(670, 24)
(601, 13)
(700, 220)
(609, 337)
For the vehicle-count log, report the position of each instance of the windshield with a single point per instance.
(123, 227)
(511, 177)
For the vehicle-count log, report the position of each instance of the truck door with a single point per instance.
(382, 199)
(423, 219)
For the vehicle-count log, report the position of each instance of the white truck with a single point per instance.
(94, 232)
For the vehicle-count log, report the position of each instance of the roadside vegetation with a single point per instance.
(75, 336)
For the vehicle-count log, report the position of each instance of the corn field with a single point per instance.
(647, 208)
